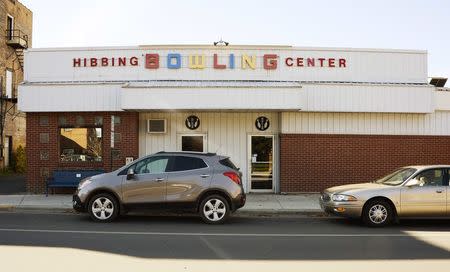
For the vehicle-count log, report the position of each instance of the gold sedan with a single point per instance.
(412, 191)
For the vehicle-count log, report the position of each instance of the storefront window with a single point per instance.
(80, 144)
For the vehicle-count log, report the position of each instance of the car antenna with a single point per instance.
(220, 146)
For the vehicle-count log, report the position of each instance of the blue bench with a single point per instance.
(69, 178)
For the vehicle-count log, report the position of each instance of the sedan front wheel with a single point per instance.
(378, 213)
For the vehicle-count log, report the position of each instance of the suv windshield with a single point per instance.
(397, 177)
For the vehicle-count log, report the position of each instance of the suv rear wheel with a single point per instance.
(103, 208)
(214, 209)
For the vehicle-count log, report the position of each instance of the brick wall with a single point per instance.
(23, 20)
(311, 163)
(43, 155)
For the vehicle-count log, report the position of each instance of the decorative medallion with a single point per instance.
(262, 123)
(192, 122)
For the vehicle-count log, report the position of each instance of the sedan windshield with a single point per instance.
(397, 177)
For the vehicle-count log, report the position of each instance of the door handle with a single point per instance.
(439, 191)
(159, 179)
(204, 175)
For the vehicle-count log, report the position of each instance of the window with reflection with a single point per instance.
(80, 144)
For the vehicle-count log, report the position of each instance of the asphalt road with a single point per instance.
(269, 239)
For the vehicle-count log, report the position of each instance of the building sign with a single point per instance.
(262, 123)
(222, 62)
(192, 122)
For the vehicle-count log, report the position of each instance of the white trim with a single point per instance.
(231, 47)
(12, 17)
(9, 84)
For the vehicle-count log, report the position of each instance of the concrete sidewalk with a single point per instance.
(257, 204)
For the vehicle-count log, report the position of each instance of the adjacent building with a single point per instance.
(293, 119)
(15, 32)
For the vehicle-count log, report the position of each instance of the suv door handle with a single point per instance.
(439, 191)
(159, 179)
(204, 175)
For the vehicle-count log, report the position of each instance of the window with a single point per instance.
(62, 121)
(80, 144)
(9, 83)
(431, 177)
(116, 119)
(192, 143)
(79, 120)
(153, 165)
(98, 120)
(181, 163)
(9, 26)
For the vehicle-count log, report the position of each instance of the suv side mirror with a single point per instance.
(130, 173)
(413, 182)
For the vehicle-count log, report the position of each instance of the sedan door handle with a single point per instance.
(439, 191)
(204, 175)
(159, 179)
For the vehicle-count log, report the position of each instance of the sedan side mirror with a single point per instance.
(413, 182)
(130, 173)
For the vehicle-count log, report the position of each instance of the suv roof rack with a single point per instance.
(188, 152)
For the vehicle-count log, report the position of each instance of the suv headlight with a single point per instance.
(343, 198)
(84, 183)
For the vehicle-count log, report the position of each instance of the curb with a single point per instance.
(7, 208)
(35, 208)
(262, 213)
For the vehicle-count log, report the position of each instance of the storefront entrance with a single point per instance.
(261, 166)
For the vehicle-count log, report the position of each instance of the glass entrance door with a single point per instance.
(261, 163)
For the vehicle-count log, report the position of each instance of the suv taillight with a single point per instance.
(233, 176)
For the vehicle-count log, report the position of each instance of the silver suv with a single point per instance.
(201, 182)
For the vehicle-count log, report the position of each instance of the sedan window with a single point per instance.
(431, 177)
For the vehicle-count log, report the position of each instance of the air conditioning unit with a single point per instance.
(156, 126)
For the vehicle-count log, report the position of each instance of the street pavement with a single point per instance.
(71, 242)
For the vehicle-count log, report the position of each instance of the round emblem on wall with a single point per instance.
(192, 122)
(262, 123)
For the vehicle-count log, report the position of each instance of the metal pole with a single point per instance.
(112, 143)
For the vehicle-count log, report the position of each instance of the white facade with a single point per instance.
(346, 91)
(362, 65)
(370, 81)
(225, 133)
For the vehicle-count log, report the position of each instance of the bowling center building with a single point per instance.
(293, 119)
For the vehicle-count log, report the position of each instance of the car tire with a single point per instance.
(214, 209)
(378, 213)
(103, 208)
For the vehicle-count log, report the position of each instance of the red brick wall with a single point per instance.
(38, 169)
(311, 163)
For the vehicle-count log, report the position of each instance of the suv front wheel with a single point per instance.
(103, 208)
(214, 209)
